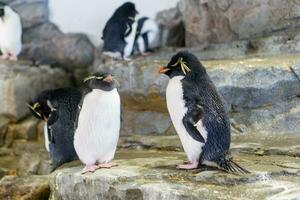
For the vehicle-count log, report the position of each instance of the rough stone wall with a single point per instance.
(220, 21)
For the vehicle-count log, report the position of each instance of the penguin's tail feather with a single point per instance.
(228, 165)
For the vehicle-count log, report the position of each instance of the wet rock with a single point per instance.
(69, 51)
(172, 32)
(32, 187)
(19, 82)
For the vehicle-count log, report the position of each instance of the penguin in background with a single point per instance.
(120, 31)
(146, 36)
(198, 114)
(59, 109)
(97, 133)
(10, 33)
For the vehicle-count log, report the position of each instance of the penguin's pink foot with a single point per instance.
(107, 165)
(13, 58)
(190, 165)
(145, 53)
(4, 57)
(126, 59)
(89, 168)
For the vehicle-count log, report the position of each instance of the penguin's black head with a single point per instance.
(40, 106)
(183, 64)
(126, 10)
(2, 8)
(102, 81)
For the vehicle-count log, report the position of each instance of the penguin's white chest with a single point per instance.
(177, 110)
(98, 128)
(11, 33)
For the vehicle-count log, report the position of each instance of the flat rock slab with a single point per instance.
(20, 82)
(151, 174)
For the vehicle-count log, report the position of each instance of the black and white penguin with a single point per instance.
(146, 36)
(59, 109)
(120, 31)
(10, 33)
(198, 114)
(97, 134)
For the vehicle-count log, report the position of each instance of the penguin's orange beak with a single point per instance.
(163, 70)
(109, 79)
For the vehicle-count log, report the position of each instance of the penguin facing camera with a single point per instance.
(59, 109)
(120, 31)
(198, 114)
(97, 133)
(146, 36)
(10, 33)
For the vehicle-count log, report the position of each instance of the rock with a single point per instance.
(33, 12)
(40, 33)
(69, 51)
(20, 82)
(26, 188)
(172, 32)
(260, 93)
(3, 129)
(152, 174)
(25, 129)
(205, 23)
(141, 122)
(224, 21)
(32, 158)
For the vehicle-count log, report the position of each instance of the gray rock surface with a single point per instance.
(216, 21)
(254, 89)
(40, 33)
(32, 12)
(69, 51)
(19, 82)
(172, 32)
(152, 174)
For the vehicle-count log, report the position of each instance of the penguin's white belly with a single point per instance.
(46, 138)
(98, 128)
(130, 40)
(10, 35)
(177, 110)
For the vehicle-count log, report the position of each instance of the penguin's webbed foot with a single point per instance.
(13, 58)
(107, 165)
(89, 168)
(146, 53)
(188, 166)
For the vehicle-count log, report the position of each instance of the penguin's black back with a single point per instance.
(61, 123)
(215, 119)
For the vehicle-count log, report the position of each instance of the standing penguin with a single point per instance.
(97, 134)
(198, 114)
(59, 109)
(146, 35)
(119, 32)
(10, 33)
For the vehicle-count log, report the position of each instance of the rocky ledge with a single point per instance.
(261, 93)
(151, 174)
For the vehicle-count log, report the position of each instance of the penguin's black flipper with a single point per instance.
(191, 119)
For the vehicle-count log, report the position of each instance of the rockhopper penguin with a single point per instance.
(119, 32)
(198, 114)
(59, 109)
(10, 33)
(97, 134)
(146, 35)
